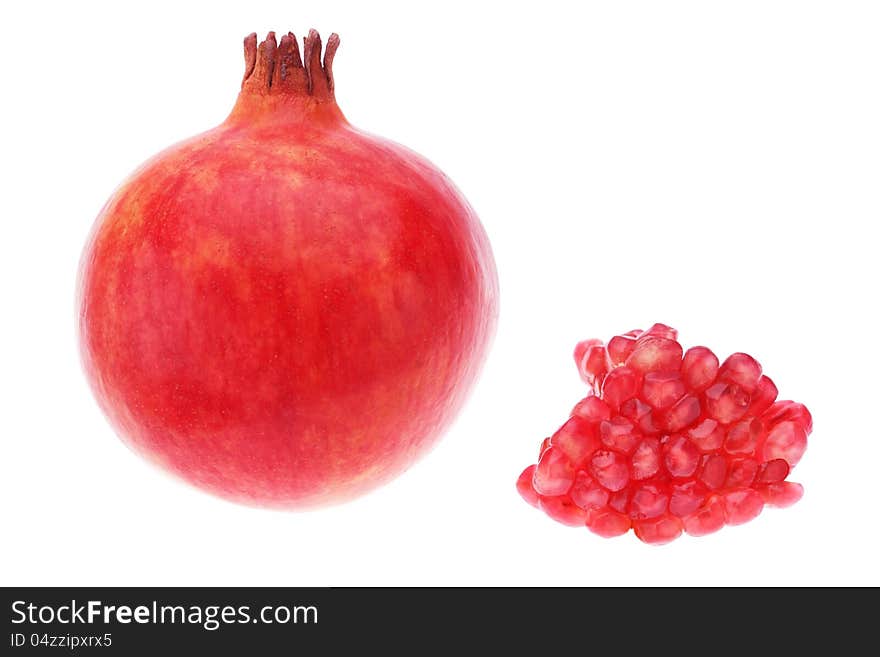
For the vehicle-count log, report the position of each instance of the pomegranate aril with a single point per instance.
(655, 354)
(610, 469)
(640, 414)
(658, 531)
(577, 439)
(741, 473)
(554, 474)
(743, 437)
(619, 501)
(742, 505)
(648, 501)
(763, 396)
(773, 472)
(581, 349)
(646, 459)
(668, 441)
(683, 414)
(726, 402)
(686, 498)
(592, 362)
(592, 408)
(662, 389)
(713, 472)
(787, 440)
(545, 445)
(661, 331)
(711, 517)
(619, 349)
(586, 493)
(781, 494)
(788, 411)
(708, 435)
(525, 488)
(742, 370)
(563, 510)
(620, 384)
(619, 434)
(681, 457)
(699, 367)
(607, 523)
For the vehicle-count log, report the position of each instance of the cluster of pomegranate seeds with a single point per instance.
(668, 441)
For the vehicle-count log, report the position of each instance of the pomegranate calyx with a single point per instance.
(273, 68)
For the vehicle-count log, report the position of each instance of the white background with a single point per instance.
(711, 165)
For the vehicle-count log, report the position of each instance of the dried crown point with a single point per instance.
(668, 442)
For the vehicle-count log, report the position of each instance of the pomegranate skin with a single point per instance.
(285, 311)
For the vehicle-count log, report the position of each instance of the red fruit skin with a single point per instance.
(285, 311)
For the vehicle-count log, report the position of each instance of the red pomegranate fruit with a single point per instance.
(284, 310)
(668, 441)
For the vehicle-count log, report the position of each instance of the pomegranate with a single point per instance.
(284, 310)
(668, 441)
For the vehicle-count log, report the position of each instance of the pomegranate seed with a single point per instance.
(524, 486)
(581, 349)
(658, 531)
(619, 349)
(789, 411)
(646, 459)
(668, 441)
(742, 473)
(683, 414)
(773, 472)
(741, 369)
(726, 402)
(742, 437)
(681, 457)
(699, 367)
(782, 493)
(686, 498)
(554, 474)
(713, 472)
(586, 493)
(607, 523)
(592, 408)
(577, 439)
(787, 440)
(545, 445)
(707, 435)
(661, 331)
(763, 397)
(655, 354)
(563, 510)
(649, 501)
(621, 384)
(619, 434)
(742, 505)
(619, 501)
(593, 362)
(711, 517)
(662, 389)
(640, 414)
(609, 469)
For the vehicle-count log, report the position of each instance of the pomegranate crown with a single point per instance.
(277, 68)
